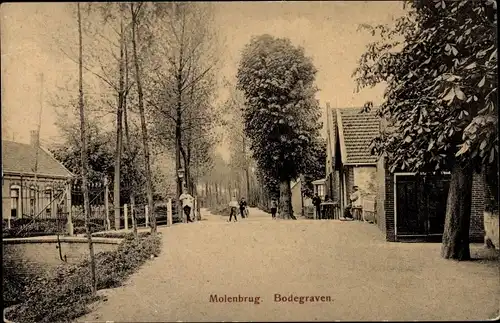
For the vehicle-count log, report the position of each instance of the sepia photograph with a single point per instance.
(246, 161)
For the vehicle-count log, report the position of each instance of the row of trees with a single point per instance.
(440, 66)
(150, 70)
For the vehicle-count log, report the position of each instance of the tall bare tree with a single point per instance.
(183, 88)
(84, 153)
(145, 139)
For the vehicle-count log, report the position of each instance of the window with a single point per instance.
(320, 189)
(48, 201)
(14, 202)
(32, 200)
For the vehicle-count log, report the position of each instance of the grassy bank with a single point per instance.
(66, 295)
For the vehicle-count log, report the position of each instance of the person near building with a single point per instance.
(317, 205)
(355, 199)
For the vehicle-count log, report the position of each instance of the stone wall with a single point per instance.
(365, 179)
(491, 234)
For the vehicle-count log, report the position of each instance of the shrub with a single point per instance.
(66, 296)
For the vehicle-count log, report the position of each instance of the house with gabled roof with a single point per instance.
(34, 183)
(349, 159)
(407, 206)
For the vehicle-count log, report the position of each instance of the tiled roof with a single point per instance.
(20, 158)
(359, 129)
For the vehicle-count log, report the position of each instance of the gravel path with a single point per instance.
(359, 275)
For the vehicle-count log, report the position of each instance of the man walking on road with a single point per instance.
(187, 204)
(243, 206)
(233, 205)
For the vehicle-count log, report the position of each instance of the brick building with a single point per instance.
(408, 207)
(34, 183)
(411, 207)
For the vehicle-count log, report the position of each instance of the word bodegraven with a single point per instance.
(278, 298)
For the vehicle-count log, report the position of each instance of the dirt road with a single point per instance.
(345, 269)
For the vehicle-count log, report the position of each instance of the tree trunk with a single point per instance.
(134, 219)
(458, 208)
(285, 211)
(178, 162)
(216, 194)
(205, 204)
(145, 138)
(119, 135)
(247, 180)
(83, 136)
(131, 157)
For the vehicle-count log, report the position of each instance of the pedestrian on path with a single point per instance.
(187, 204)
(233, 204)
(274, 208)
(355, 199)
(243, 206)
(317, 204)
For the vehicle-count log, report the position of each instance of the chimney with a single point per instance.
(34, 138)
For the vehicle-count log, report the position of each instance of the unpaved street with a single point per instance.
(364, 277)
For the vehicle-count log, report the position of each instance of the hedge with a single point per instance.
(67, 296)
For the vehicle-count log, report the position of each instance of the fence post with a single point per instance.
(125, 215)
(106, 202)
(8, 221)
(69, 209)
(146, 213)
(169, 212)
(195, 207)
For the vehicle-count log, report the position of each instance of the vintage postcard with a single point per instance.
(250, 161)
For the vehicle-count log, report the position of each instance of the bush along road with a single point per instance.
(67, 295)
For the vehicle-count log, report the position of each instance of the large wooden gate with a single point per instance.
(420, 205)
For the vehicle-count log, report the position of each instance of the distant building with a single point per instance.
(299, 201)
(349, 161)
(319, 188)
(26, 195)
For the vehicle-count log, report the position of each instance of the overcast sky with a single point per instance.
(30, 33)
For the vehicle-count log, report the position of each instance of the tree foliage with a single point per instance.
(440, 66)
(281, 114)
(314, 166)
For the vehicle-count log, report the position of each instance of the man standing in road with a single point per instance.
(233, 204)
(317, 204)
(243, 206)
(187, 204)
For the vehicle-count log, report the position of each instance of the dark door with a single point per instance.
(409, 219)
(421, 204)
(436, 189)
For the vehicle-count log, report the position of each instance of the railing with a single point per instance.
(330, 211)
